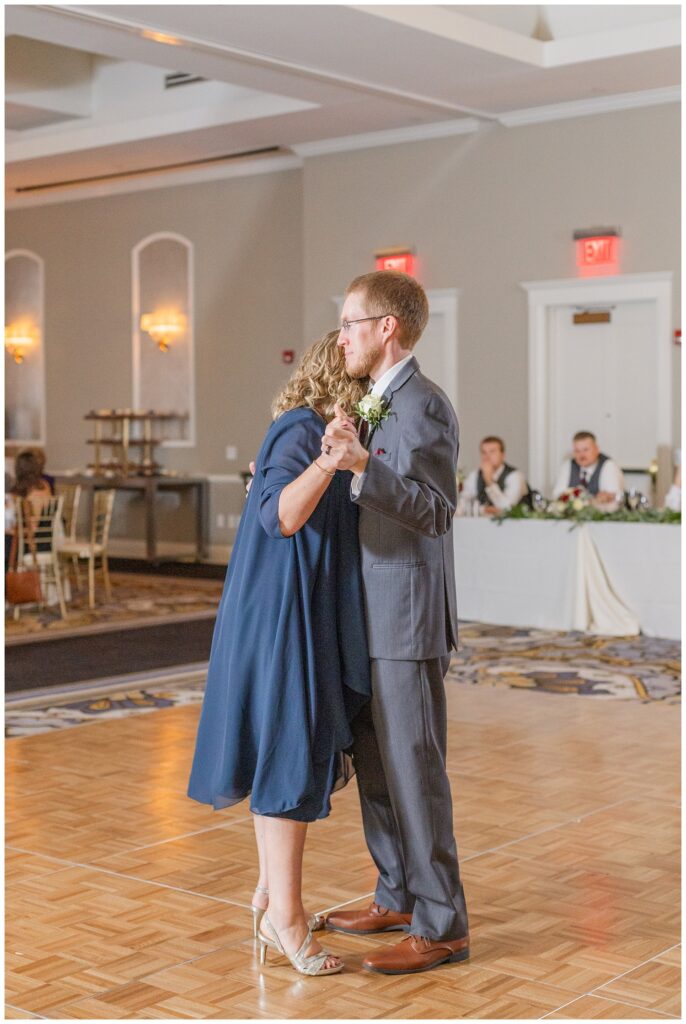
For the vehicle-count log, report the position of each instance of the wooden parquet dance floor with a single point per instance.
(125, 900)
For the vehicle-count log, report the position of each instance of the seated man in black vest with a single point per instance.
(497, 485)
(589, 468)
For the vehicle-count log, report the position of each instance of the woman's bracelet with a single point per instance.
(325, 471)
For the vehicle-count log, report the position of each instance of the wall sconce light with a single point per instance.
(18, 338)
(163, 327)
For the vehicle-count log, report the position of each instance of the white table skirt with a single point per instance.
(606, 578)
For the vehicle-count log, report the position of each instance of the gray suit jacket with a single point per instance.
(407, 498)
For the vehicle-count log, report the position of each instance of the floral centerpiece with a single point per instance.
(572, 499)
(577, 506)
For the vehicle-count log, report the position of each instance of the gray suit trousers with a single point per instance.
(399, 751)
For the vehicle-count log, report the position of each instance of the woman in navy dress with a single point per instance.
(289, 665)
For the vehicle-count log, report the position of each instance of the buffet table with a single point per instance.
(615, 579)
(150, 487)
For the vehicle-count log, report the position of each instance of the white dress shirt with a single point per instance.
(611, 477)
(673, 498)
(378, 388)
(382, 383)
(504, 497)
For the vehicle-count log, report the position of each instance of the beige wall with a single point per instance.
(486, 212)
(248, 307)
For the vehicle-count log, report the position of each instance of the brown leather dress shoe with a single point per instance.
(368, 921)
(417, 953)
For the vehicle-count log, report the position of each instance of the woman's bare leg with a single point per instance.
(284, 841)
(261, 899)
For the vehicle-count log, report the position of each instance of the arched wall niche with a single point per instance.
(25, 419)
(162, 289)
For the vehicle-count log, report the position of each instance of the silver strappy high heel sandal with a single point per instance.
(257, 912)
(316, 921)
(310, 965)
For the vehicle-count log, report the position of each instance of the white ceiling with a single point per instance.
(561, 21)
(86, 96)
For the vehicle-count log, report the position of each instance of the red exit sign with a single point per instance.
(403, 261)
(601, 252)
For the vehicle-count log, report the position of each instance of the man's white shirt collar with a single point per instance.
(382, 383)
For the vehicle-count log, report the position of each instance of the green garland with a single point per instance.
(593, 515)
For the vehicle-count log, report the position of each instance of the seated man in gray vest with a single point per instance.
(589, 468)
(497, 485)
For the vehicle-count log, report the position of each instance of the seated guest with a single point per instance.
(9, 473)
(673, 496)
(29, 483)
(10, 525)
(40, 455)
(497, 485)
(589, 468)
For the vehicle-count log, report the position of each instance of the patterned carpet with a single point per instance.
(631, 668)
(552, 663)
(136, 600)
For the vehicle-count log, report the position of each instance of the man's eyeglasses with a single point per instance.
(347, 324)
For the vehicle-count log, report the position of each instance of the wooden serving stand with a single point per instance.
(124, 459)
(129, 431)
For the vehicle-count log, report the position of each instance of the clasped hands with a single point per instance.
(487, 472)
(341, 447)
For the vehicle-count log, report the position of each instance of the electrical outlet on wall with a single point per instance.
(221, 521)
(231, 452)
(232, 521)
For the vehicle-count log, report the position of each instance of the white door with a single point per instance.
(603, 377)
(436, 350)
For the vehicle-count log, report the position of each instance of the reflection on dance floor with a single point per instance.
(125, 898)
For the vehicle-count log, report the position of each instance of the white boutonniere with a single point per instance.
(372, 409)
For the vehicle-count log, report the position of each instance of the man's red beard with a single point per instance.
(363, 363)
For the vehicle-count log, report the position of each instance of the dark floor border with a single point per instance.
(72, 659)
(189, 570)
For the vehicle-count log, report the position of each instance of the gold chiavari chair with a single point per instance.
(70, 514)
(94, 550)
(39, 534)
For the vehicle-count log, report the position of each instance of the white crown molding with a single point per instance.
(595, 105)
(142, 29)
(436, 20)
(460, 28)
(165, 179)
(512, 119)
(616, 42)
(600, 284)
(91, 134)
(348, 143)
(388, 137)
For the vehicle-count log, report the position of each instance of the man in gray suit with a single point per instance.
(404, 464)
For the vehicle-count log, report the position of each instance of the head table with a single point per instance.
(614, 579)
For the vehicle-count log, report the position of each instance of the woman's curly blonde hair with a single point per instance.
(320, 380)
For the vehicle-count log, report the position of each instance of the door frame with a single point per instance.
(445, 301)
(542, 297)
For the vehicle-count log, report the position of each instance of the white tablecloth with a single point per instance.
(607, 578)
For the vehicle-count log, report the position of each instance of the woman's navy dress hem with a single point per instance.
(289, 665)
